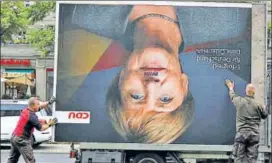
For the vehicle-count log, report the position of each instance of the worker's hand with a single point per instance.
(52, 122)
(229, 84)
(52, 100)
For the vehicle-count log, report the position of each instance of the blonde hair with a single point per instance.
(138, 126)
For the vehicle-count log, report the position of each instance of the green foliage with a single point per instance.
(42, 39)
(15, 21)
(40, 10)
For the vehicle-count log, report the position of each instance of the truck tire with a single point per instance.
(148, 158)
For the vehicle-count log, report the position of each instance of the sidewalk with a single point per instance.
(48, 148)
(54, 148)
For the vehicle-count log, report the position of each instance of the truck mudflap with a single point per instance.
(73, 152)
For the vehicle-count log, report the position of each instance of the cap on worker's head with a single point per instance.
(250, 90)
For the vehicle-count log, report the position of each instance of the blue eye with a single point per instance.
(166, 99)
(137, 96)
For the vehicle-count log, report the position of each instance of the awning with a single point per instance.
(13, 73)
(20, 80)
(24, 71)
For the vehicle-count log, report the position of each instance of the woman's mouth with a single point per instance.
(152, 69)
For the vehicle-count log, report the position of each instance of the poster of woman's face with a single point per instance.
(150, 73)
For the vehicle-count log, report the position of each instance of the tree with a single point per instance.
(16, 18)
(41, 38)
(39, 10)
(13, 19)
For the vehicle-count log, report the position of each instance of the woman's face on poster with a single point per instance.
(152, 80)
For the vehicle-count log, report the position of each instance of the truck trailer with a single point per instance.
(143, 81)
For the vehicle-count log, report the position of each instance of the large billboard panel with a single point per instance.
(150, 73)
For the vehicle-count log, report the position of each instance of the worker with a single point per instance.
(248, 118)
(21, 137)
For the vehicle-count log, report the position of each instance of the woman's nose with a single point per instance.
(154, 76)
(152, 79)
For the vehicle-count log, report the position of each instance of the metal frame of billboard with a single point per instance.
(265, 147)
(163, 147)
(267, 81)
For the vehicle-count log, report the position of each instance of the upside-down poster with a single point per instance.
(150, 73)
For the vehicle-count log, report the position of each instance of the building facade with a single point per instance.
(25, 73)
(269, 59)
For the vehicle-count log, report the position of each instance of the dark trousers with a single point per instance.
(246, 144)
(21, 146)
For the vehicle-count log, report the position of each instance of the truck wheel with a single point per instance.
(148, 158)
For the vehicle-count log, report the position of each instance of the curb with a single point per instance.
(49, 149)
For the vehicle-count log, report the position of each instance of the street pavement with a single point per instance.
(45, 153)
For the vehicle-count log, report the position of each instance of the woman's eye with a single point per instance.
(137, 96)
(166, 99)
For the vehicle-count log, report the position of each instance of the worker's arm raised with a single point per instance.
(45, 104)
(234, 98)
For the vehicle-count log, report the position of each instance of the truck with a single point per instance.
(143, 81)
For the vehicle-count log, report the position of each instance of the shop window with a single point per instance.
(18, 83)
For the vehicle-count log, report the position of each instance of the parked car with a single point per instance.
(10, 112)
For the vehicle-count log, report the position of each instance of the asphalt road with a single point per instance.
(46, 153)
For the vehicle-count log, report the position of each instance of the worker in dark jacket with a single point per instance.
(21, 137)
(248, 118)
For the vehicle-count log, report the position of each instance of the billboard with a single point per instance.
(143, 73)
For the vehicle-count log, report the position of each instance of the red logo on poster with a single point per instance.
(9, 62)
(80, 115)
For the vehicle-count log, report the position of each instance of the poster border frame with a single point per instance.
(196, 147)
